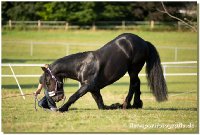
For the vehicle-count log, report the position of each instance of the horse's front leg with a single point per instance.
(82, 91)
(98, 98)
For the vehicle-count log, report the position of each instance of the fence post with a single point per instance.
(66, 26)
(123, 25)
(39, 24)
(93, 26)
(31, 48)
(179, 25)
(152, 24)
(10, 24)
(164, 71)
(176, 54)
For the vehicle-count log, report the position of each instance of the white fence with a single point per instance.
(95, 25)
(165, 65)
(67, 46)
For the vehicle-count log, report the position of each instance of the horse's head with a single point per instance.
(53, 84)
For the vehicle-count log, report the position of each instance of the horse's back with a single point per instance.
(117, 55)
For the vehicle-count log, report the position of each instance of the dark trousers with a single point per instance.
(47, 102)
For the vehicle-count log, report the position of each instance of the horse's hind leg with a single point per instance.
(134, 88)
(137, 103)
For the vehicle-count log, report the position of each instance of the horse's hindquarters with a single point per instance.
(114, 68)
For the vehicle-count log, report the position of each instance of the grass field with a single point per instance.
(178, 114)
(20, 52)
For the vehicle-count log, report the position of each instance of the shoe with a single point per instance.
(54, 109)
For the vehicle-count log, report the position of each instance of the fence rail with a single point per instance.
(151, 24)
(164, 64)
(82, 44)
(67, 48)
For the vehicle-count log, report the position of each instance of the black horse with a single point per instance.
(97, 69)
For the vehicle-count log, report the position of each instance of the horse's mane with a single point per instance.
(70, 58)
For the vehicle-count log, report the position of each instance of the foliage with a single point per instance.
(88, 12)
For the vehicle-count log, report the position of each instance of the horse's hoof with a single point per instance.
(126, 105)
(137, 105)
(62, 110)
(116, 106)
(106, 107)
(113, 106)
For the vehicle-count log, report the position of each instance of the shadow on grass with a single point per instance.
(171, 109)
(152, 109)
(82, 109)
(24, 86)
(27, 60)
(149, 108)
(28, 86)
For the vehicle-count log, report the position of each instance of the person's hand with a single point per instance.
(38, 89)
(36, 92)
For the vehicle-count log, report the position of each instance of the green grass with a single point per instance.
(183, 39)
(18, 115)
(20, 52)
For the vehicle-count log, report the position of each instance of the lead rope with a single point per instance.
(36, 100)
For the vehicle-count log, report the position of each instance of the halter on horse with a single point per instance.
(55, 94)
(52, 93)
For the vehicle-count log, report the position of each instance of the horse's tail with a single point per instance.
(155, 77)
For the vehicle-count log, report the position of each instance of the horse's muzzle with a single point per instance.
(52, 93)
(56, 96)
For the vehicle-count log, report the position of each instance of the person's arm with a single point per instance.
(40, 86)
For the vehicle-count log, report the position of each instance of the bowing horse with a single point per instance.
(100, 68)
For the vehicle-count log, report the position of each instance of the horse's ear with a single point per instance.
(46, 65)
(44, 69)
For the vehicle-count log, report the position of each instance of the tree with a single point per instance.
(52, 11)
(89, 12)
(20, 11)
(165, 10)
(82, 12)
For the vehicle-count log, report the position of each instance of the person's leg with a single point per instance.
(43, 103)
(51, 103)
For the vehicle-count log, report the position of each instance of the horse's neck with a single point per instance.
(66, 67)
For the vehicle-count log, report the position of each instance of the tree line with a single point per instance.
(89, 12)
